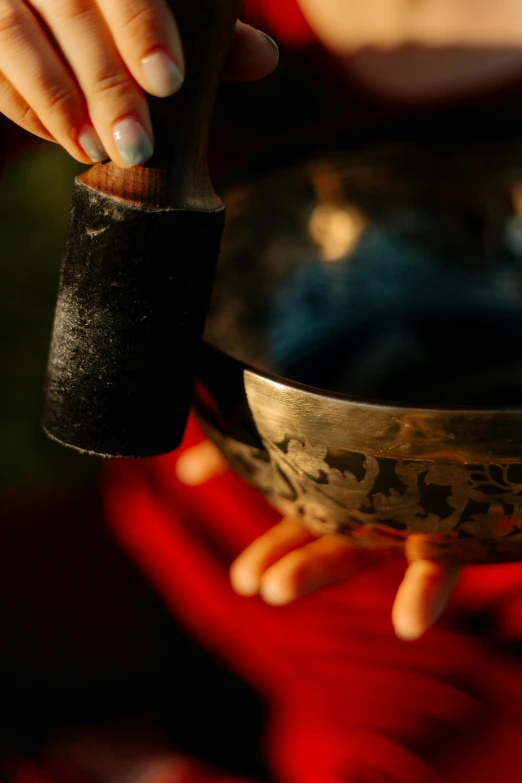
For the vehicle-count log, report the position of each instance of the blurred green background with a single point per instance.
(35, 192)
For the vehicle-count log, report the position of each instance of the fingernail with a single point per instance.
(162, 74)
(90, 143)
(270, 41)
(132, 141)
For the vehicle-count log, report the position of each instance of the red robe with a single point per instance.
(347, 700)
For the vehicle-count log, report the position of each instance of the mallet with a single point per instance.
(138, 270)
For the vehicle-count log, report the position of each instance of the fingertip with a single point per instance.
(187, 471)
(200, 464)
(133, 140)
(405, 636)
(79, 157)
(253, 55)
(275, 594)
(270, 41)
(244, 582)
(73, 146)
(163, 76)
(265, 567)
(91, 146)
(409, 607)
(407, 626)
(284, 582)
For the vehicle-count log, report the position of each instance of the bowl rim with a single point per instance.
(287, 410)
(366, 402)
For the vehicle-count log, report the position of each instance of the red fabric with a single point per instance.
(348, 701)
(284, 17)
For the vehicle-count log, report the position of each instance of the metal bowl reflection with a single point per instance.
(362, 364)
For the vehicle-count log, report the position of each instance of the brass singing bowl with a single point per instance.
(362, 364)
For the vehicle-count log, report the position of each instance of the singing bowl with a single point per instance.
(362, 362)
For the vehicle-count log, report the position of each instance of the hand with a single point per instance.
(75, 71)
(288, 562)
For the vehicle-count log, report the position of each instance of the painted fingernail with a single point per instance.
(270, 41)
(162, 74)
(90, 143)
(132, 141)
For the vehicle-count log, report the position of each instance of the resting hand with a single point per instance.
(289, 562)
(76, 71)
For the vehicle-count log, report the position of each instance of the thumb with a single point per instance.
(199, 464)
(252, 56)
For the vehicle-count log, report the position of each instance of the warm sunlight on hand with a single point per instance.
(289, 562)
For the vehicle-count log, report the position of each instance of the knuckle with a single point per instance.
(28, 116)
(112, 84)
(138, 21)
(60, 99)
(12, 21)
(65, 9)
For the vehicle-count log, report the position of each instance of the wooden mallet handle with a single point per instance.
(138, 269)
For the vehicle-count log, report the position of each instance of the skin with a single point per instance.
(288, 562)
(71, 65)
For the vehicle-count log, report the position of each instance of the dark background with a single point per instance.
(35, 191)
